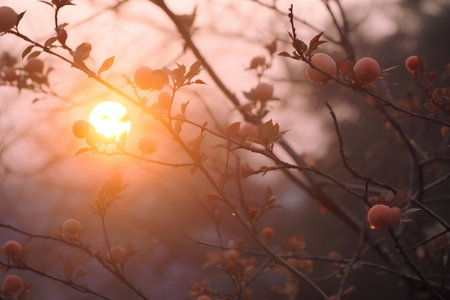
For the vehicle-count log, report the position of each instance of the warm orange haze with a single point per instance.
(224, 150)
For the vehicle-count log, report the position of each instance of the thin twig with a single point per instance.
(84, 249)
(345, 159)
(414, 267)
(70, 284)
(349, 266)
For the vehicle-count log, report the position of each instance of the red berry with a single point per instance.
(379, 216)
(204, 297)
(8, 18)
(147, 145)
(323, 62)
(252, 261)
(12, 283)
(268, 233)
(240, 241)
(159, 79)
(81, 129)
(231, 254)
(61, 34)
(366, 71)
(143, 78)
(72, 226)
(412, 63)
(34, 65)
(12, 249)
(263, 91)
(71, 229)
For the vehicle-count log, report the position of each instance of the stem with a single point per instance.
(414, 267)
(70, 284)
(249, 229)
(84, 249)
(105, 234)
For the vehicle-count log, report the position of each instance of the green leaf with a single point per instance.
(82, 150)
(19, 17)
(316, 38)
(233, 129)
(27, 50)
(50, 41)
(107, 64)
(34, 54)
(194, 69)
(199, 81)
(46, 2)
(178, 73)
(183, 107)
(300, 46)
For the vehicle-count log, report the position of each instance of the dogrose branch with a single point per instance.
(316, 193)
(85, 250)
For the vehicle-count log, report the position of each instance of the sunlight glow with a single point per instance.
(110, 119)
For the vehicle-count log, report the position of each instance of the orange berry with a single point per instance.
(34, 65)
(366, 71)
(379, 216)
(412, 63)
(147, 145)
(8, 18)
(164, 100)
(61, 35)
(323, 62)
(268, 233)
(143, 78)
(204, 297)
(12, 249)
(159, 79)
(231, 254)
(81, 129)
(12, 283)
(292, 242)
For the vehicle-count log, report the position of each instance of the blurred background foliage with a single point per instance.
(42, 184)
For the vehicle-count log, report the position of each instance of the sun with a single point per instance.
(110, 119)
